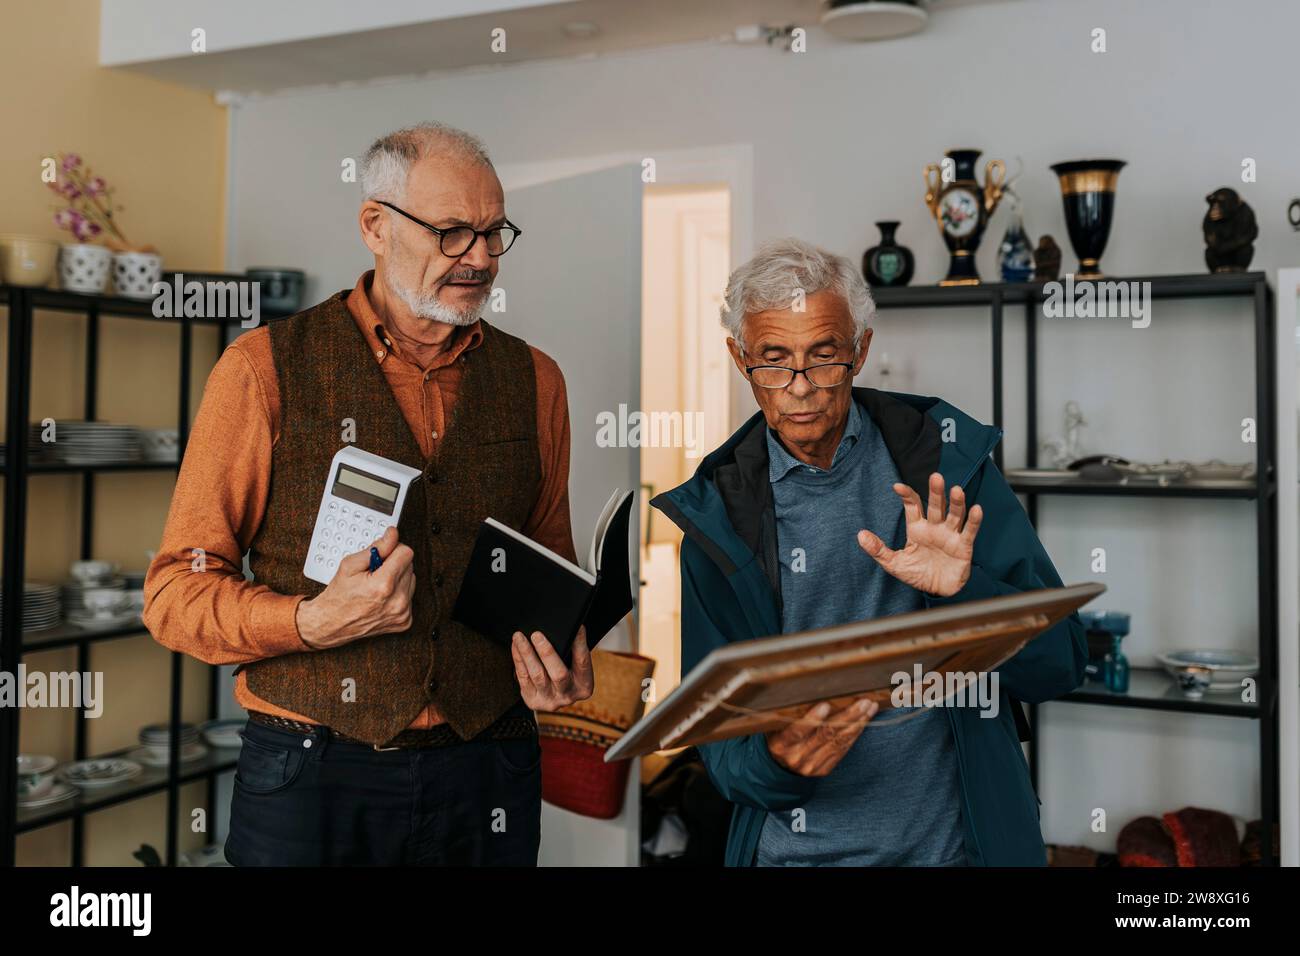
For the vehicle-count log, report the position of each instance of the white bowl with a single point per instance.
(88, 571)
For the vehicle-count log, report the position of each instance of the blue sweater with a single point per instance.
(893, 800)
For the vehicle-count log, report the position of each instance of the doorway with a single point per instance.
(685, 386)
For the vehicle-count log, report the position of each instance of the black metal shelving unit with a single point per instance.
(23, 303)
(1150, 688)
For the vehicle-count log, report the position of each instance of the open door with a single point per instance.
(573, 289)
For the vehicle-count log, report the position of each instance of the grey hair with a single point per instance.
(388, 161)
(784, 267)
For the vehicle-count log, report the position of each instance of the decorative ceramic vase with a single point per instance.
(887, 264)
(84, 267)
(134, 274)
(962, 207)
(1088, 193)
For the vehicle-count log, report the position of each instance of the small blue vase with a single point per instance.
(1015, 253)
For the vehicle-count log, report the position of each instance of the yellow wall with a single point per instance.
(163, 147)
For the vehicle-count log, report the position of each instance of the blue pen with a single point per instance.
(375, 560)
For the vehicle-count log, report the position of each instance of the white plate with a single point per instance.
(108, 771)
(223, 733)
(189, 753)
(60, 792)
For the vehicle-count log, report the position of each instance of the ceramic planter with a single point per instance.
(84, 267)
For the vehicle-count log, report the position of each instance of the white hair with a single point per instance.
(388, 161)
(783, 268)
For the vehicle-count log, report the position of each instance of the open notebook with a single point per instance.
(514, 584)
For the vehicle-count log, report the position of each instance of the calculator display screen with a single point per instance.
(366, 490)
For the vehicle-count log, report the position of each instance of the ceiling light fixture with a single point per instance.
(873, 19)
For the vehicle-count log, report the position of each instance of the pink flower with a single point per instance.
(70, 162)
(70, 190)
(63, 219)
(84, 229)
(96, 186)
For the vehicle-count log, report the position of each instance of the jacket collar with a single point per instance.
(727, 505)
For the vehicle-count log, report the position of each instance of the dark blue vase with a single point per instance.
(888, 263)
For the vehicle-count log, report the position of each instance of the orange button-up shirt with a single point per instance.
(224, 482)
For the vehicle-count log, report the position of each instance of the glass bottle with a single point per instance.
(1116, 668)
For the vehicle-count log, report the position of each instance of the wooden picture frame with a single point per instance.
(759, 685)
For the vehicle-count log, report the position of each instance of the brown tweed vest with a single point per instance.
(488, 464)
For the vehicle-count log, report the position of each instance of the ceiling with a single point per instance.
(532, 33)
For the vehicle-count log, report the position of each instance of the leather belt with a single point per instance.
(510, 726)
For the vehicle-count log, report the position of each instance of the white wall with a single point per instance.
(839, 135)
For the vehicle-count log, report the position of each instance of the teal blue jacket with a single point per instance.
(731, 592)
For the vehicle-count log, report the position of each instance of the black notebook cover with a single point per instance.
(511, 586)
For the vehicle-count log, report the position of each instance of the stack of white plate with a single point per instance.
(156, 740)
(87, 443)
(42, 608)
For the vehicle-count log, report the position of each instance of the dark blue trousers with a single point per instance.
(305, 800)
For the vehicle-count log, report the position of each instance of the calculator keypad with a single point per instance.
(342, 530)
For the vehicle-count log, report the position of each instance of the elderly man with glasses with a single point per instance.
(836, 504)
(380, 731)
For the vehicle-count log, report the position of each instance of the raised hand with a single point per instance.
(937, 556)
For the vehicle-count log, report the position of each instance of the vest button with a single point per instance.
(435, 528)
(433, 635)
(433, 686)
(437, 580)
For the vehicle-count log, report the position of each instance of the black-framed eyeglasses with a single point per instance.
(825, 375)
(458, 240)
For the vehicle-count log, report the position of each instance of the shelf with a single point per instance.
(1151, 688)
(1194, 285)
(70, 635)
(1130, 491)
(151, 780)
(58, 300)
(63, 468)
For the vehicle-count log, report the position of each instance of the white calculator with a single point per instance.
(363, 495)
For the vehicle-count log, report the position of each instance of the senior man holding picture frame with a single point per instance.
(836, 504)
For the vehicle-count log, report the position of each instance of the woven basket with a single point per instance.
(574, 740)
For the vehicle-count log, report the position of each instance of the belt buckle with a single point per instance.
(379, 749)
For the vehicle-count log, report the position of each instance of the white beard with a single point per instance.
(426, 305)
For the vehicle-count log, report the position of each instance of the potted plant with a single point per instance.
(88, 214)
